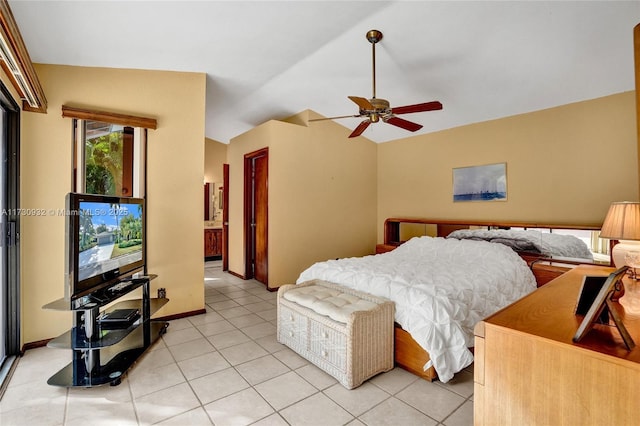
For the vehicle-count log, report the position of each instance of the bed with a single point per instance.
(435, 316)
(441, 289)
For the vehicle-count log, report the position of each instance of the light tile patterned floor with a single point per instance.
(225, 367)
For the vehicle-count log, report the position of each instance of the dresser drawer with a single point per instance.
(293, 328)
(328, 344)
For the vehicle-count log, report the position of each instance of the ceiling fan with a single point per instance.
(376, 109)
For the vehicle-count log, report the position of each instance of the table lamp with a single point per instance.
(622, 223)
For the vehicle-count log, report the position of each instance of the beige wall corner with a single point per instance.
(215, 155)
(322, 195)
(174, 187)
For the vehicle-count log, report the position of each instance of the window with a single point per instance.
(109, 152)
(108, 158)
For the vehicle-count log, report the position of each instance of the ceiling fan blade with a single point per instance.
(427, 106)
(335, 118)
(363, 103)
(361, 128)
(401, 122)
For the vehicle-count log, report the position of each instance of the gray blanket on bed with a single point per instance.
(548, 244)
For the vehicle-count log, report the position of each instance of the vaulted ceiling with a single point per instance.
(269, 60)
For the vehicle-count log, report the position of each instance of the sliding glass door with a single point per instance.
(3, 256)
(9, 226)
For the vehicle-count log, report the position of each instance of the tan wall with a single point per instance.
(174, 187)
(215, 155)
(565, 165)
(322, 195)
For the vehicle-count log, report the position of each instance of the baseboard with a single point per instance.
(181, 315)
(34, 345)
(235, 274)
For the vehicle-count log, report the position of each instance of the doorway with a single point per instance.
(256, 175)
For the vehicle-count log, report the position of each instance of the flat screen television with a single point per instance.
(105, 241)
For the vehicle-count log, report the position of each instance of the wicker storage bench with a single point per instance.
(347, 333)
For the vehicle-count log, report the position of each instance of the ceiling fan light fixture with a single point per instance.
(379, 104)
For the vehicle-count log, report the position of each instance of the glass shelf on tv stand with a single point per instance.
(76, 337)
(108, 365)
(101, 297)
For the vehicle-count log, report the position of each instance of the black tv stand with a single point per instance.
(102, 354)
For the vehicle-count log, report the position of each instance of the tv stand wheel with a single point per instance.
(164, 329)
(117, 378)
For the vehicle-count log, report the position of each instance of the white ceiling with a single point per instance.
(270, 60)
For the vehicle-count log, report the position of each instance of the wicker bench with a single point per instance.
(347, 333)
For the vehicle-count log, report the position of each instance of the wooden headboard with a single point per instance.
(544, 268)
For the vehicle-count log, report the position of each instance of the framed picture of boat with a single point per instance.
(480, 183)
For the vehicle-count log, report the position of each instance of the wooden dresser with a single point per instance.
(528, 371)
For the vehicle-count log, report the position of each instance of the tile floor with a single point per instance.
(225, 367)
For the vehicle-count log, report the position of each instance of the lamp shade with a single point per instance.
(622, 221)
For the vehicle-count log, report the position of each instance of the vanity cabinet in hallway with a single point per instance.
(212, 242)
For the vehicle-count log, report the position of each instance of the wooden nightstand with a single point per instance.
(383, 248)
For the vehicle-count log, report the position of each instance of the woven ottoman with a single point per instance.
(347, 333)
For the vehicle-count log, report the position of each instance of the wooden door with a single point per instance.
(225, 217)
(260, 219)
(256, 215)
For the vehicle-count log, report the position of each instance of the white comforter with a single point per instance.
(441, 288)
